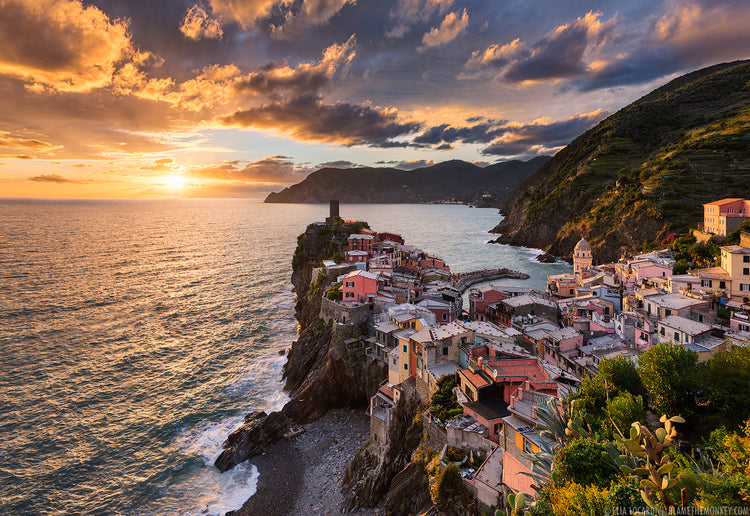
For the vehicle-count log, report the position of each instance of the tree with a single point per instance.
(581, 461)
(624, 409)
(725, 382)
(668, 372)
(621, 375)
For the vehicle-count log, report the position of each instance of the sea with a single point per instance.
(136, 334)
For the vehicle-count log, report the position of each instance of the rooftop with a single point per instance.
(476, 379)
(735, 249)
(675, 301)
(528, 299)
(723, 201)
(684, 325)
(489, 409)
(364, 274)
(564, 333)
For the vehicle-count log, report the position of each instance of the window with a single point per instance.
(350, 294)
(406, 367)
(744, 287)
(706, 283)
(663, 332)
(406, 350)
(746, 271)
(667, 312)
(349, 283)
(445, 350)
(676, 336)
(445, 314)
(722, 284)
(746, 258)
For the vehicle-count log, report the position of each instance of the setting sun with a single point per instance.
(174, 182)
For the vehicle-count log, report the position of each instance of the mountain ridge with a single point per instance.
(448, 181)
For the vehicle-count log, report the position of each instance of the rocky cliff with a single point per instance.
(320, 372)
(369, 476)
(643, 172)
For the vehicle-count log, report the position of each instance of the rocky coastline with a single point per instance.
(324, 422)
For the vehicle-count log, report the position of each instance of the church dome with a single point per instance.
(582, 245)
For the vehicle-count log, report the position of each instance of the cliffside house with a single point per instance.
(382, 405)
(521, 438)
(360, 287)
(361, 242)
(724, 216)
(357, 258)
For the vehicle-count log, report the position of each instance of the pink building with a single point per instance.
(740, 321)
(358, 258)
(360, 287)
(724, 216)
(361, 242)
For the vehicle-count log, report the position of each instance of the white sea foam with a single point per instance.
(204, 489)
(207, 491)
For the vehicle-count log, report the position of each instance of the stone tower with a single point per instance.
(581, 256)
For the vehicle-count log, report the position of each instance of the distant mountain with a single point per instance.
(455, 180)
(642, 173)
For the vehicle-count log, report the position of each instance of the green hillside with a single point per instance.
(456, 181)
(642, 173)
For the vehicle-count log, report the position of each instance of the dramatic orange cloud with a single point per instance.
(61, 45)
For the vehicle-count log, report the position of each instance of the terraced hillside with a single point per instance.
(642, 173)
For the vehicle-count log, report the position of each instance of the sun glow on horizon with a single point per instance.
(174, 182)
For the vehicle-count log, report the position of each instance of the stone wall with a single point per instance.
(331, 310)
(436, 436)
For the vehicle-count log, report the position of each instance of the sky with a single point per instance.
(237, 98)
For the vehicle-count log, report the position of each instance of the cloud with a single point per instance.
(339, 164)
(306, 77)
(511, 138)
(61, 45)
(686, 35)
(542, 136)
(560, 54)
(198, 24)
(273, 169)
(409, 12)
(309, 118)
(6, 140)
(412, 164)
(285, 17)
(449, 29)
(57, 178)
(22, 156)
(164, 161)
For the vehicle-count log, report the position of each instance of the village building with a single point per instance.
(694, 335)
(361, 242)
(724, 216)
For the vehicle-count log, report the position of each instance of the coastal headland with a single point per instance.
(302, 451)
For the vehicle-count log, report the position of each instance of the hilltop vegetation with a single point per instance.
(454, 181)
(642, 173)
